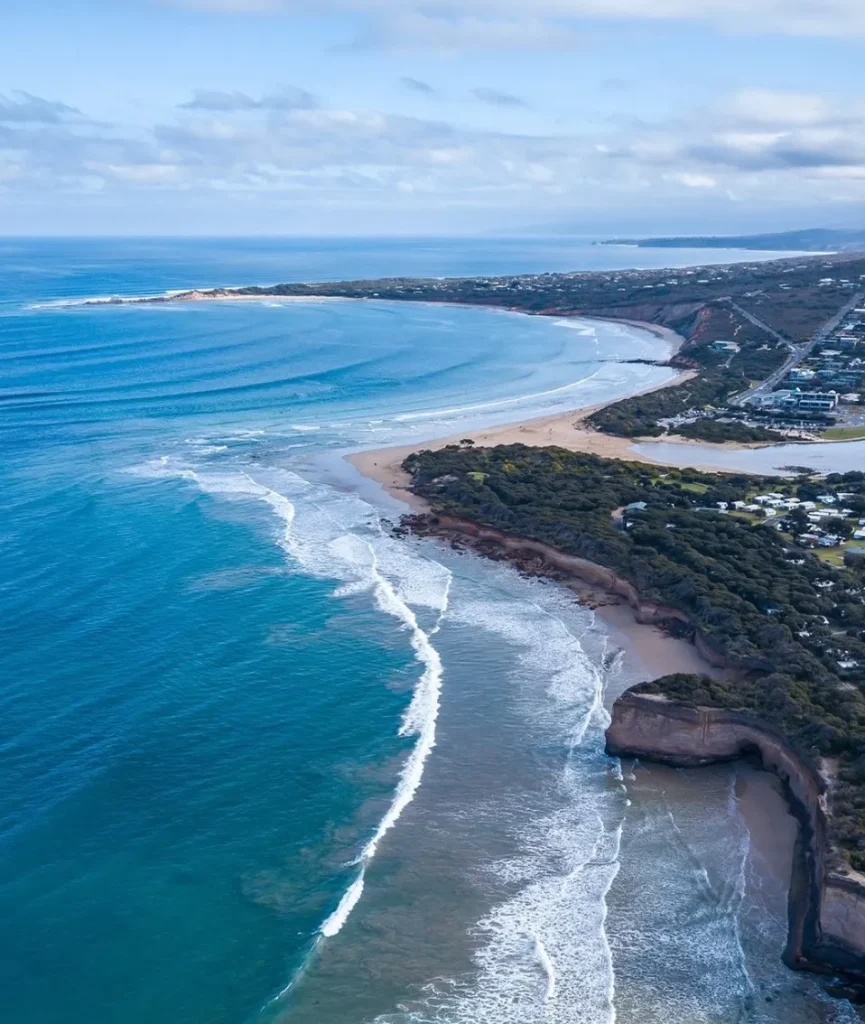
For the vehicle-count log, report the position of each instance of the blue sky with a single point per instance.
(391, 116)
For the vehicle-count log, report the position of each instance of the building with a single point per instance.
(725, 346)
(803, 401)
(817, 401)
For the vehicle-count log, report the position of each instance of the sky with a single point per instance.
(339, 117)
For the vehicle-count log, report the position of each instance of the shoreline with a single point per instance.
(663, 639)
(563, 430)
(580, 439)
(651, 647)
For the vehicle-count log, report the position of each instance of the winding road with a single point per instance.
(797, 352)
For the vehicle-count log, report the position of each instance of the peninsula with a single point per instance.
(725, 562)
(807, 240)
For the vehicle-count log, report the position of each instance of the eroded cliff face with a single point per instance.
(544, 559)
(827, 901)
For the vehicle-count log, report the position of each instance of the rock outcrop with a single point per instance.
(827, 900)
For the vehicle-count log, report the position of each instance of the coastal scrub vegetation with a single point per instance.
(760, 306)
(792, 626)
(719, 375)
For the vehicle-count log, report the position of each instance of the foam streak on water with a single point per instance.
(419, 720)
(542, 955)
(338, 537)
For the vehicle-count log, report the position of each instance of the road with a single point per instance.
(797, 352)
(757, 322)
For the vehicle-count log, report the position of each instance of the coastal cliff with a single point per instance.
(827, 900)
(539, 559)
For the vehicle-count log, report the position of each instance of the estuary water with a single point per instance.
(777, 459)
(265, 763)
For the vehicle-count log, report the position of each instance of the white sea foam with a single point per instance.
(339, 536)
(477, 407)
(580, 326)
(547, 966)
(96, 300)
(542, 955)
(350, 898)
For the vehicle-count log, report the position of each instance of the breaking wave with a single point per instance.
(339, 536)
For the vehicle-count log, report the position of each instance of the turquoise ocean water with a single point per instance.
(261, 761)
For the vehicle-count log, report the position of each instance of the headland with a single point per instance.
(776, 632)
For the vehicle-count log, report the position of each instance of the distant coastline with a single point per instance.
(817, 241)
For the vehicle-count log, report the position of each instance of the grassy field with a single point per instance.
(843, 433)
(832, 556)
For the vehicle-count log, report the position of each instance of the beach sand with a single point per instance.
(647, 651)
(645, 646)
(565, 430)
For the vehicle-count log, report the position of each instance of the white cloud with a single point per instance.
(497, 98)
(24, 108)
(691, 180)
(288, 98)
(748, 145)
(406, 28)
(764, 106)
(527, 23)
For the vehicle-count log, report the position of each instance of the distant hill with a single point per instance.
(809, 240)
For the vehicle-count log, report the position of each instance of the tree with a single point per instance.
(799, 522)
(840, 527)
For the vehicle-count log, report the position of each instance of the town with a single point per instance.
(828, 381)
(805, 513)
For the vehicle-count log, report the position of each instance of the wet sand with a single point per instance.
(647, 652)
(564, 430)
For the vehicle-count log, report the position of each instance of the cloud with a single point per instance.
(766, 106)
(416, 85)
(617, 84)
(28, 109)
(692, 180)
(551, 23)
(404, 28)
(496, 98)
(787, 152)
(764, 149)
(288, 98)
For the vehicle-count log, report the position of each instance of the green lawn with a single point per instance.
(843, 433)
(695, 488)
(750, 517)
(832, 556)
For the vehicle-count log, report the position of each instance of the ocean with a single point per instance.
(265, 763)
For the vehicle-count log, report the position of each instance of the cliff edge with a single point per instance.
(826, 907)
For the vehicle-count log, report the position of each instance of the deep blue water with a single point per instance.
(262, 761)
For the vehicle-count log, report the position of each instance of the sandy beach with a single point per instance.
(565, 430)
(648, 650)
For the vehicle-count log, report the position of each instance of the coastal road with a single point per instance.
(757, 322)
(797, 352)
